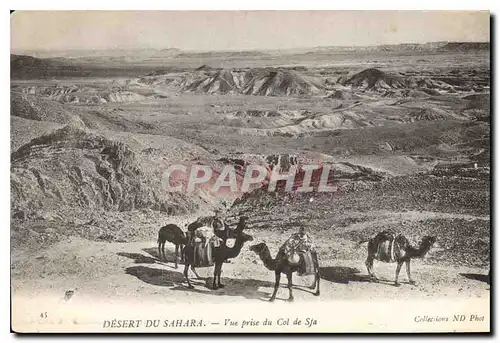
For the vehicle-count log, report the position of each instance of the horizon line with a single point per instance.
(246, 50)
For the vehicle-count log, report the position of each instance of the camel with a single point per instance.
(175, 235)
(387, 246)
(220, 255)
(287, 263)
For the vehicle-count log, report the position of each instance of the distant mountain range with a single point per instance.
(458, 46)
(177, 53)
(68, 64)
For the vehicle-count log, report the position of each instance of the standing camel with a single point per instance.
(287, 261)
(220, 255)
(388, 247)
(175, 235)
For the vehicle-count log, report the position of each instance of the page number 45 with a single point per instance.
(43, 315)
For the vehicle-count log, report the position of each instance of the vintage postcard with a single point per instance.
(250, 171)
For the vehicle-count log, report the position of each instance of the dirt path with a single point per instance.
(114, 271)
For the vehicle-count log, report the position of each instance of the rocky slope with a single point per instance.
(75, 167)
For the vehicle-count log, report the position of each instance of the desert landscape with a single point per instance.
(405, 127)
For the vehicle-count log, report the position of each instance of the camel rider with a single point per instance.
(220, 229)
(303, 241)
(303, 244)
(239, 227)
(217, 221)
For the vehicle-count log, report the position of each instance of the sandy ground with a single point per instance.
(114, 271)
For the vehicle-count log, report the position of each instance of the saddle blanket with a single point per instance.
(203, 254)
(308, 267)
(385, 251)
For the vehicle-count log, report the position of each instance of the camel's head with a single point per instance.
(239, 234)
(257, 248)
(426, 244)
(241, 225)
(428, 241)
(246, 237)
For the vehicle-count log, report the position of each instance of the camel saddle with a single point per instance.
(298, 250)
(213, 222)
(297, 243)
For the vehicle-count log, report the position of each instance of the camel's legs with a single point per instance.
(190, 253)
(214, 282)
(163, 249)
(317, 284)
(290, 293)
(372, 249)
(219, 284)
(186, 269)
(195, 273)
(176, 254)
(217, 271)
(218, 268)
(313, 285)
(367, 264)
(316, 276)
(369, 267)
(276, 284)
(182, 247)
(409, 272)
(398, 269)
(315, 261)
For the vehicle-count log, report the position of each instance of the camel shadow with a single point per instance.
(343, 275)
(169, 255)
(154, 276)
(247, 288)
(478, 277)
(138, 258)
(152, 258)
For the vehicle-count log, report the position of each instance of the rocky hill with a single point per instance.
(376, 79)
(27, 67)
(74, 167)
(255, 81)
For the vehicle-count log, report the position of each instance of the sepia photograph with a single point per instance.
(250, 171)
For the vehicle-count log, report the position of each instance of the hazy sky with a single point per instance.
(222, 30)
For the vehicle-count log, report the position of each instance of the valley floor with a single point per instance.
(117, 271)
